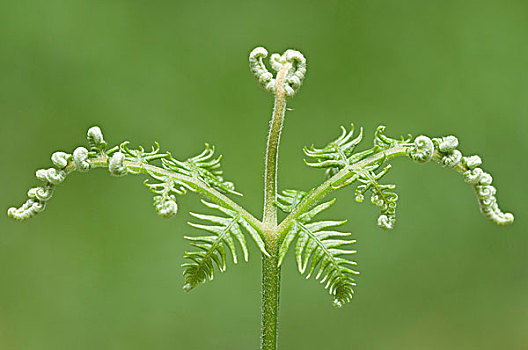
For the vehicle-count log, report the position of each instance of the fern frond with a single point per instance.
(443, 150)
(340, 154)
(212, 248)
(204, 167)
(198, 174)
(319, 252)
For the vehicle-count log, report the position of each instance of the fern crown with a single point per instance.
(319, 248)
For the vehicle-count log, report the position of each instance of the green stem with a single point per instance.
(270, 268)
(270, 297)
(272, 152)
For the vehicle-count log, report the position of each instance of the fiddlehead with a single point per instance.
(422, 150)
(445, 153)
(116, 164)
(80, 158)
(96, 139)
(291, 60)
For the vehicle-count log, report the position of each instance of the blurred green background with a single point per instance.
(100, 270)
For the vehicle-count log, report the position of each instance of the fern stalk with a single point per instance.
(272, 151)
(271, 274)
(270, 265)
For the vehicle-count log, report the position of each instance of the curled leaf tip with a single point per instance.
(116, 164)
(292, 60)
(95, 139)
(80, 158)
(422, 149)
(450, 157)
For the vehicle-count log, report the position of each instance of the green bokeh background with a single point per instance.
(99, 270)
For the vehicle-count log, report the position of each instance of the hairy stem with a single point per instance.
(270, 296)
(272, 152)
(270, 268)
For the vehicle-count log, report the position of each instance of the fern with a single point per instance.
(225, 230)
(318, 250)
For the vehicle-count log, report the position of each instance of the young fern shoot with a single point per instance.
(320, 250)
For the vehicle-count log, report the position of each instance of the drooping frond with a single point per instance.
(122, 160)
(224, 230)
(204, 167)
(443, 150)
(319, 251)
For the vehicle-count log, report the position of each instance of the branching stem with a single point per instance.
(329, 185)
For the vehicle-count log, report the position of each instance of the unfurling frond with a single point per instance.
(319, 252)
(212, 248)
(340, 154)
(122, 160)
(292, 60)
(443, 151)
(96, 139)
(39, 196)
